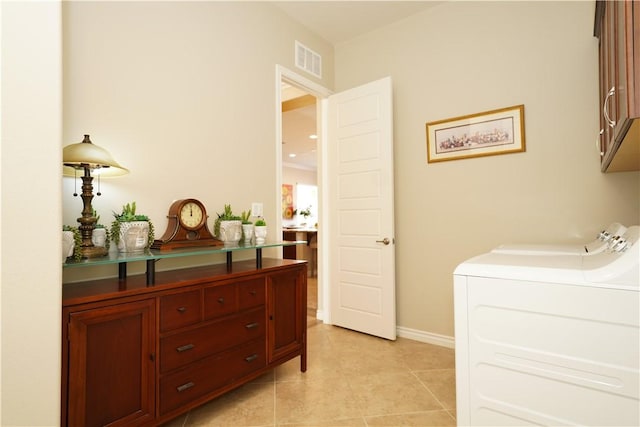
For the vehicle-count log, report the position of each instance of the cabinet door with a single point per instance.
(287, 311)
(607, 78)
(623, 98)
(111, 365)
(617, 29)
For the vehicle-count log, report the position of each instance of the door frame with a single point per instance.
(321, 93)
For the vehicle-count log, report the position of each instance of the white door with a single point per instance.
(362, 251)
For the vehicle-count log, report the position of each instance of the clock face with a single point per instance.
(191, 215)
(187, 227)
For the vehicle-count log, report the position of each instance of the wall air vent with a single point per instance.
(308, 60)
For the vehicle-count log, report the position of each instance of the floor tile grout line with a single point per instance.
(428, 389)
(275, 398)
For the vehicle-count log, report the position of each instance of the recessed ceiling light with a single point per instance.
(292, 155)
(313, 136)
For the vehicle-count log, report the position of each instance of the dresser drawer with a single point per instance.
(178, 310)
(220, 300)
(251, 293)
(207, 375)
(183, 348)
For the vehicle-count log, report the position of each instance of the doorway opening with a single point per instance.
(300, 183)
(300, 177)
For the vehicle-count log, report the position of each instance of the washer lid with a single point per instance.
(617, 267)
(537, 268)
(536, 249)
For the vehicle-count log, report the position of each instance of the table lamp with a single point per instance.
(87, 157)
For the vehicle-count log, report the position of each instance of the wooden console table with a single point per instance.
(135, 353)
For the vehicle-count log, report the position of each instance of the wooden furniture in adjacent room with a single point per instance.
(307, 252)
(289, 252)
(142, 354)
(617, 26)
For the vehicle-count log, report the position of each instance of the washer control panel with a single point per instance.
(598, 245)
(619, 263)
(604, 238)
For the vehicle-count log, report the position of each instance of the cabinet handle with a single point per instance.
(221, 300)
(605, 107)
(253, 293)
(181, 309)
(251, 325)
(185, 348)
(251, 358)
(599, 142)
(184, 387)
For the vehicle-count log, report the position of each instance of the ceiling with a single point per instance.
(334, 21)
(297, 126)
(338, 21)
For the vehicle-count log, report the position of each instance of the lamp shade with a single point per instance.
(87, 155)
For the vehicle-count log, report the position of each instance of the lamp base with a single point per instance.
(93, 251)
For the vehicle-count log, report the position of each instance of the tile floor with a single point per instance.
(352, 379)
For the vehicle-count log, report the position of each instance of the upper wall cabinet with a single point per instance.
(617, 26)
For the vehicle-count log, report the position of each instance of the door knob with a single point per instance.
(386, 241)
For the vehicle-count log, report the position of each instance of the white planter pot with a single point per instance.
(230, 231)
(247, 232)
(134, 236)
(260, 233)
(99, 237)
(68, 245)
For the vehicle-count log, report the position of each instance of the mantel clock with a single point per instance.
(187, 227)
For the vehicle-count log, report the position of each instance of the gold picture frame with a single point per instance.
(483, 134)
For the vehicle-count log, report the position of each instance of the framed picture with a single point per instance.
(287, 201)
(483, 134)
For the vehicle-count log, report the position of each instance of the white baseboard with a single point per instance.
(414, 334)
(428, 337)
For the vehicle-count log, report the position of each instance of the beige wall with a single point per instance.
(460, 58)
(31, 215)
(182, 94)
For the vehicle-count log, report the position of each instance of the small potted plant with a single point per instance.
(228, 227)
(260, 231)
(306, 213)
(100, 234)
(71, 243)
(247, 226)
(132, 232)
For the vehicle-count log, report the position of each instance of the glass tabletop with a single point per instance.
(115, 257)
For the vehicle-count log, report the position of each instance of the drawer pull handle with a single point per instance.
(253, 293)
(221, 300)
(184, 387)
(251, 358)
(185, 348)
(252, 325)
(181, 309)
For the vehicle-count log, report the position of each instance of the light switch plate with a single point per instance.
(256, 209)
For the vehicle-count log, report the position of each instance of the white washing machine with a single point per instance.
(549, 339)
(599, 244)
